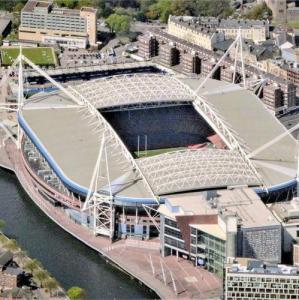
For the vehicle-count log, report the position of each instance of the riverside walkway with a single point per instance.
(168, 277)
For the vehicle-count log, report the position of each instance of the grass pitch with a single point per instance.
(156, 152)
(44, 56)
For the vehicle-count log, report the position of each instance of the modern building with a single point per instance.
(42, 22)
(211, 226)
(255, 280)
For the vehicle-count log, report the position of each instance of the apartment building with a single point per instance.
(190, 30)
(255, 30)
(247, 279)
(42, 22)
(279, 10)
(209, 227)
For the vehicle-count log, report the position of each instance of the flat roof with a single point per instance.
(71, 145)
(244, 203)
(248, 117)
(212, 229)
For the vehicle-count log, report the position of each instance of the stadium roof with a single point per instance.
(71, 143)
(133, 89)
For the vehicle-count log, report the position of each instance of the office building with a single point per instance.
(255, 280)
(42, 22)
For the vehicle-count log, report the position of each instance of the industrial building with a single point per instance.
(42, 22)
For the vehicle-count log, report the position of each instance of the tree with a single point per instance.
(41, 275)
(18, 7)
(22, 255)
(67, 3)
(161, 10)
(51, 284)
(2, 225)
(118, 23)
(259, 12)
(11, 245)
(32, 265)
(76, 293)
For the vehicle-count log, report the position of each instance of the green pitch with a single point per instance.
(40, 56)
(156, 152)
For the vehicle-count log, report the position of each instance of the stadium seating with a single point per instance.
(164, 127)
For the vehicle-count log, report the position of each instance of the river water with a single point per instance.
(70, 262)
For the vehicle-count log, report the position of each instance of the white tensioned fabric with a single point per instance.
(148, 88)
(133, 89)
(196, 169)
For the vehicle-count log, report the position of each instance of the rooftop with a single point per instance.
(256, 267)
(287, 211)
(243, 203)
(178, 171)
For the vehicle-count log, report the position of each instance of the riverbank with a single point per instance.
(167, 277)
(24, 276)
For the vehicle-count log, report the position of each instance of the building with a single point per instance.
(189, 29)
(255, 280)
(212, 226)
(42, 22)
(255, 30)
(279, 10)
(296, 255)
(208, 31)
(287, 212)
(293, 15)
(179, 48)
(5, 26)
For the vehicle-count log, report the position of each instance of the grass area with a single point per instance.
(156, 152)
(40, 56)
(294, 25)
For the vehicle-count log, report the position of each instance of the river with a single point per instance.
(67, 259)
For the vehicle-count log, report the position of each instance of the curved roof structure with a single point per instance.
(189, 170)
(133, 89)
(71, 135)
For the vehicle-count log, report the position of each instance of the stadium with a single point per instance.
(110, 150)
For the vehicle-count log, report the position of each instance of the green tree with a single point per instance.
(2, 225)
(32, 265)
(21, 255)
(12, 245)
(259, 12)
(76, 293)
(51, 284)
(161, 10)
(41, 275)
(118, 23)
(67, 3)
(18, 7)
